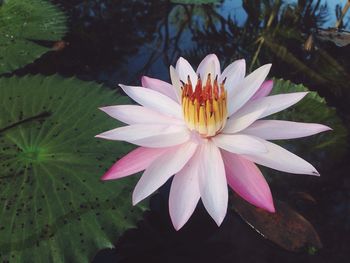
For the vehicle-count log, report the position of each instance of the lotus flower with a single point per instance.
(205, 129)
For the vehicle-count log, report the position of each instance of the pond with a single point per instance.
(112, 42)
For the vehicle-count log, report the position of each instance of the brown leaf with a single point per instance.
(287, 228)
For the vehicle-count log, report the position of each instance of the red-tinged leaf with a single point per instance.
(287, 228)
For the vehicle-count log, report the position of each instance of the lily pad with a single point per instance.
(323, 149)
(54, 207)
(24, 26)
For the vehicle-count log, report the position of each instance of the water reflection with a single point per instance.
(118, 41)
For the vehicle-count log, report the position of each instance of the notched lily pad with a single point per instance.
(23, 25)
(54, 207)
(286, 228)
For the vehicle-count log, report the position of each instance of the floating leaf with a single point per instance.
(54, 207)
(194, 2)
(287, 228)
(23, 25)
(322, 149)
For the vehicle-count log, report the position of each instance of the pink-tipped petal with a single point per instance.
(176, 83)
(281, 130)
(234, 74)
(153, 100)
(134, 114)
(247, 88)
(154, 136)
(212, 182)
(273, 104)
(159, 86)
(184, 69)
(245, 179)
(238, 123)
(239, 143)
(280, 159)
(209, 65)
(264, 90)
(184, 193)
(162, 169)
(134, 162)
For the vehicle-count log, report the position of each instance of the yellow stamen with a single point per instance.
(205, 107)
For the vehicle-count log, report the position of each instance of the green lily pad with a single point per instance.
(54, 207)
(24, 24)
(323, 149)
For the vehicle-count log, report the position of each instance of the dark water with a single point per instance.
(119, 41)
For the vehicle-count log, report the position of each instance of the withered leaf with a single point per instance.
(286, 228)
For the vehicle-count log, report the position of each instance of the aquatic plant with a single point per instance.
(206, 130)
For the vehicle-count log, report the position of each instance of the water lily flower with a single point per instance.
(206, 129)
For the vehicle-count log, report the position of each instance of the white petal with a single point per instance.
(212, 182)
(234, 74)
(162, 169)
(239, 122)
(281, 130)
(280, 159)
(160, 86)
(184, 69)
(146, 135)
(134, 114)
(184, 193)
(209, 65)
(153, 100)
(264, 90)
(247, 88)
(175, 80)
(239, 143)
(273, 103)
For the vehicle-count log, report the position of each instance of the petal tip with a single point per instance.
(327, 128)
(104, 109)
(269, 82)
(267, 67)
(135, 200)
(315, 172)
(219, 220)
(105, 177)
(213, 56)
(270, 208)
(177, 226)
(180, 61)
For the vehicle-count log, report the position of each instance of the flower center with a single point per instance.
(205, 108)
